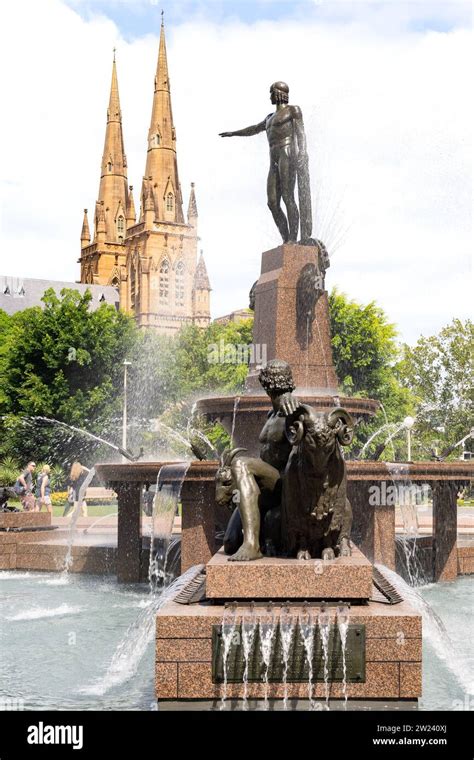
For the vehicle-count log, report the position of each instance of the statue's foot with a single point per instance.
(328, 553)
(345, 548)
(246, 553)
(303, 554)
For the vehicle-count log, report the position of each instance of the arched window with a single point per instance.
(109, 166)
(120, 227)
(169, 202)
(156, 140)
(164, 280)
(179, 284)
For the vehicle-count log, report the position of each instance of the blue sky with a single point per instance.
(386, 93)
(135, 18)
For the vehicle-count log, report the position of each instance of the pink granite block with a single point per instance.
(410, 680)
(166, 680)
(276, 578)
(195, 682)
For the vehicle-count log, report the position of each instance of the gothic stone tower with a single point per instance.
(102, 257)
(152, 261)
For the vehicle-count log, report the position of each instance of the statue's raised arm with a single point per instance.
(255, 129)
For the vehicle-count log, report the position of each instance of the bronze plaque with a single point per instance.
(297, 660)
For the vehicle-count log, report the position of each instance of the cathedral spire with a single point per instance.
(201, 278)
(161, 164)
(113, 192)
(192, 205)
(85, 232)
(131, 214)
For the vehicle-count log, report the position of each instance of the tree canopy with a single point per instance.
(62, 361)
(65, 361)
(438, 371)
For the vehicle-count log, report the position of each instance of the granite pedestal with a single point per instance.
(275, 578)
(184, 654)
(383, 659)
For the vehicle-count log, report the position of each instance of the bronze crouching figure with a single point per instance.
(292, 500)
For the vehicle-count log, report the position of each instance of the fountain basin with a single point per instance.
(244, 416)
(373, 525)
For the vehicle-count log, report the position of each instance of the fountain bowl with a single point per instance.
(244, 416)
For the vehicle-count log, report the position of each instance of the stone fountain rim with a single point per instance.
(252, 402)
(146, 472)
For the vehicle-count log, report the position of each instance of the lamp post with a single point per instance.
(408, 423)
(126, 364)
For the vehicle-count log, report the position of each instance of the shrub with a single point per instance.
(9, 471)
(59, 498)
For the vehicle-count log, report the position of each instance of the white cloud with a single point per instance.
(388, 119)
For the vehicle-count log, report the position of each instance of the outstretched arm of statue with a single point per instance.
(247, 131)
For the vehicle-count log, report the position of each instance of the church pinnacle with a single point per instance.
(161, 169)
(113, 188)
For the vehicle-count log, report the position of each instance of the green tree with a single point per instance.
(62, 362)
(438, 371)
(365, 353)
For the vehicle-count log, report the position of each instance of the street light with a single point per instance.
(126, 364)
(408, 423)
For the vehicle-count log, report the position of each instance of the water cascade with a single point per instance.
(267, 630)
(229, 622)
(342, 618)
(249, 628)
(169, 483)
(306, 628)
(324, 628)
(68, 560)
(287, 627)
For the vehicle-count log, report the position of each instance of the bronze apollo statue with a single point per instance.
(288, 162)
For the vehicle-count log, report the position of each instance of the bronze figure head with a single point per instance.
(279, 93)
(276, 378)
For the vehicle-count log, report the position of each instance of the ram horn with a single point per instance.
(229, 455)
(342, 421)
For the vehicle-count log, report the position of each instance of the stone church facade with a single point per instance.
(152, 260)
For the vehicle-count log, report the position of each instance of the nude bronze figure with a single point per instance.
(288, 163)
(257, 481)
(292, 500)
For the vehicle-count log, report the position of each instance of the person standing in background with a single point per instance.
(24, 487)
(43, 490)
(77, 477)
